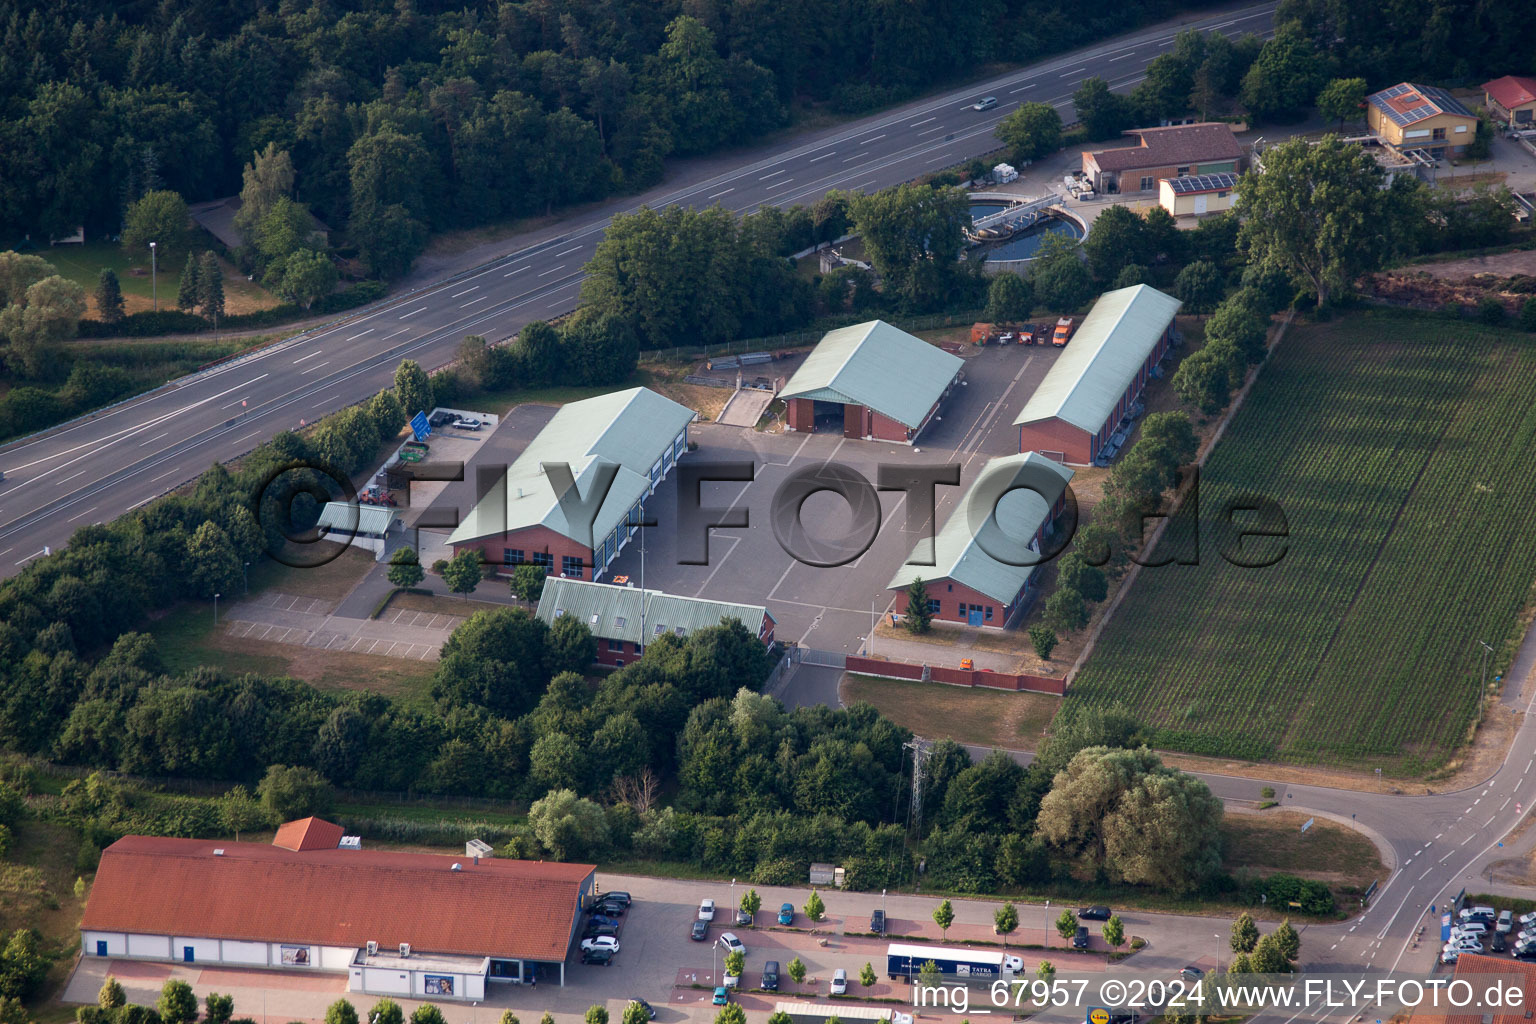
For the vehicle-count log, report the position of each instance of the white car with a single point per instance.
(1478, 912)
(707, 910)
(731, 944)
(839, 982)
(1506, 922)
(1527, 918)
(1449, 956)
(607, 942)
(467, 423)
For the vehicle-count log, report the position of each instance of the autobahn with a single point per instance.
(94, 469)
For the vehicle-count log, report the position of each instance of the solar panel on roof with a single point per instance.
(1202, 183)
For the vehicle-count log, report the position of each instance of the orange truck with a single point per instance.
(1063, 332)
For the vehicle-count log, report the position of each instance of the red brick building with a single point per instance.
(625, 619)
(973, 580)
(521, 521)
(1178, 150)
(1095, 384)
(870, 381)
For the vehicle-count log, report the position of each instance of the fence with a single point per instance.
(811, 335)
(957, 676)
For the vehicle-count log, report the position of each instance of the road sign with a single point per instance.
(1098, 1015)
(1308, 824)
(420, 428)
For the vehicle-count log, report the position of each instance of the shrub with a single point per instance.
(1491, 311)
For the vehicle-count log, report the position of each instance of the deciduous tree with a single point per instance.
(1342, 99)
(177, 1004)
(1032, 131)
(412, 387)
(405, 568)
(1005, 921)
(239, 811)
(944, 916)
(160, 217)
(289, 792)
(1010, 298)
(463, 572)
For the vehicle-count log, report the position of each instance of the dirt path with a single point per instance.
(1504, 264)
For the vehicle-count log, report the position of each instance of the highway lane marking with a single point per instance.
(546, 273)
(1021, 88)
(872, 138)
(1465, 841)
(731, 189)
(1425, 874)
(455, 295)
(1439, 834)
(1131, 53)
(1505, 803)
(368, 331)
(69, 478)
(924, 121)
(162, 476)
(413, 312)
(941, 156)
(1074, 71)
(1475, 802)
(481, 298)
(830, 152)
(1490, 820)
(519, 270)
(566, 252)
(780, 184)
(1528, 765)
(247, 437)
(856, 156)
(773, 174)
(1447, 857)
(871, 182)
(317, 366)
(82, 515)
(930, 131)
(29, 558)
(312, 355)
(157, 437)
(400, 331)
(1426, 846)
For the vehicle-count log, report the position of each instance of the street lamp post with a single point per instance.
(154, 282)
(215, 609)
(1047, 924)
(871, 628)
(882, 910)
(733, 897)
(245, 571)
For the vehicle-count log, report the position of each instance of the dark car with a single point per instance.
(601, 918)
(1095, 914)
(609, 909)
(1525, 953)
(1498, 943)
(877, 922)
(770, 976)
(650, 1011)
(617, 896)
(603, 957)
(595, 930)
(1080, 940)
(439, 419)
(700, 931)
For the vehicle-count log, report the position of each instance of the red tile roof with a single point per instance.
(259, 893)
(308, 834)
(1471, 966)
(1511, 91)
(1207, 142)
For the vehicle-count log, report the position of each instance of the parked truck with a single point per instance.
(820, 1013)
(906, 961)
(1063, 331)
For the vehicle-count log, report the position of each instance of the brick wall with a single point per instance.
(530, 540)
(958, 676)
(801, 414)
(1056, 436)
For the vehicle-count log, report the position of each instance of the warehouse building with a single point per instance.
(625, 619)
(1421, 119)
(1196, 195)
(521, 520)
(1096, 382)
(364, 526)
(1175, 151)
(419, 925)
(966, 583)
(870, 381)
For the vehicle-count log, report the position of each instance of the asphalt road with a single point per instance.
(93, 470)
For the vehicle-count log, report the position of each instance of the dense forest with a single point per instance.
(452, 114)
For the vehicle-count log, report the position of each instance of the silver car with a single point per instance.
(985, 103)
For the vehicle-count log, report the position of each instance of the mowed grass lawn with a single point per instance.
(83, 264)
(1400, 448)
(975, 715)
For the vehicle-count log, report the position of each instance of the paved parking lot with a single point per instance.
(659, 963)
(830, 609)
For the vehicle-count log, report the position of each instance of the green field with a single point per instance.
(1400, 448)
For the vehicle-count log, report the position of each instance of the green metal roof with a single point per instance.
(958, 556)
(631, 429)
(617, 613)
(366, 520)
(876, 365)
(1102, 358)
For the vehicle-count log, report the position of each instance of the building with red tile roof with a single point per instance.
(411, 924)
(308, 834)
(1172, 151)
(1480, 971)
(1512, 99)
(1420, 118)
